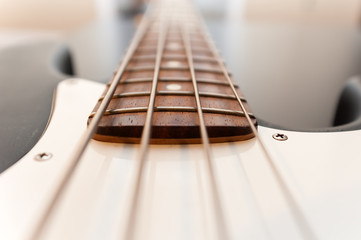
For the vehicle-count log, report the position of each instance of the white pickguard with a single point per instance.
(321, 170)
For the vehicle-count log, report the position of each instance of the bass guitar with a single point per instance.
(170, 149)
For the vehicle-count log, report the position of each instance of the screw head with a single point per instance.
(43, 156)
(280, 137)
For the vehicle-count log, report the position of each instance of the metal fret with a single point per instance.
(137, 80)
(175, 93)
(128, 94)
(165, 57)
(202, 94)
(150, 68)
(197, 69)
(176, 57)
(177, 79)
(211, 81)
(175, 109)
(199, 80)
(219, 95)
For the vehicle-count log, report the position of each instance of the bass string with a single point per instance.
(305, 228)
(145, 140)
(84, 141)
(146, 134)
(219, 215)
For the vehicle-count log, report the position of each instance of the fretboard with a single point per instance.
(174, 34)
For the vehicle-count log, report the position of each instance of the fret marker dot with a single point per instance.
(174, 87)
(173, 64)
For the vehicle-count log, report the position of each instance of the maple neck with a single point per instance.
(175, 59)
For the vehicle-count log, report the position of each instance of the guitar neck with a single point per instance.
(174, 58)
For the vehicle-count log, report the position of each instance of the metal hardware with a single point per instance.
(137, 80)
(220, 95)
(43, 156)
(280, 137)
(174, 109)
(175, 57)
(165, 57)
(197, 69)
(176, 79)
(128, 94)
(175, 93)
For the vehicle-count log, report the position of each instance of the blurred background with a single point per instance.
(66, 15)
(292, 58)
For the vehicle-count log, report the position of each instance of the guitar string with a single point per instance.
(95, 121)
(300, 218)
(201, 193)
(219, 215)
(88, 134)
(146, 134)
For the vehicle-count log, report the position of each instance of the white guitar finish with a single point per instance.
(321, 172)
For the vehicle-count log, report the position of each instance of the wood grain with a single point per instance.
(173, 127)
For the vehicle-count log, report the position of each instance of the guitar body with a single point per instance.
(176, 202)
(30, 72)
(297, 185)
(23, 68)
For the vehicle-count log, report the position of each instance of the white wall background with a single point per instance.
(70, 14)
(45, 14)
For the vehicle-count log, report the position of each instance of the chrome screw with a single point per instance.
(280, 137)
(43, 156)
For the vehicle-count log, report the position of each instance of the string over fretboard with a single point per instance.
(175, 117)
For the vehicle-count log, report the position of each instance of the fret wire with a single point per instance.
(202, 94)
(174, 93)
(221, 226)
(165, 56)
(174, 109)
(128, 94)
(176, 57)
(145, 139)
(176, 79)
(137, 80)
(299, 217)
(198, 69)
(203, 80)
(88, 134)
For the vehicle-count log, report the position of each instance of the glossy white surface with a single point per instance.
(321, 171)
(27, 186)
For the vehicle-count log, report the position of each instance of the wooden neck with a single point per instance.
(175, 117)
